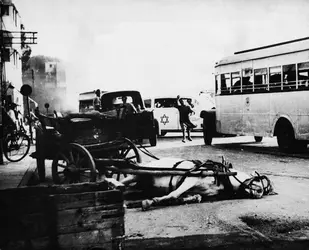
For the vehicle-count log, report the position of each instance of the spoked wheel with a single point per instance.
(73, 164)
(122, 149)
(16, 146)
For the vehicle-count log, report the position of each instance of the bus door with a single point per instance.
(166, 113)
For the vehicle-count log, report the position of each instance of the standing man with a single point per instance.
(184, 120)
(97, 100)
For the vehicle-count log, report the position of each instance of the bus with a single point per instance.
(86, 101)
(263, 92)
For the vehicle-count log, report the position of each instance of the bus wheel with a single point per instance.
(258, 138)
(207, 134)
(286, 138)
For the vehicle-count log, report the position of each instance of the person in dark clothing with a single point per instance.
(184, 120)
(97, 100)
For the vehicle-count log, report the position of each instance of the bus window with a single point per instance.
(303, 75)
(275, 78)
(225, 83)
(260, 80)
(289, 77)
(247, 80)
(236, 83)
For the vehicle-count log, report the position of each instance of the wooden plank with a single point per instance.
(116, 223)
(18, 193)
(32, 204)
(89, 199)
(67, 221)
(24, 227)
(64, 215)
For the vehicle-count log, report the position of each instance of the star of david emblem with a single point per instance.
(164, 119)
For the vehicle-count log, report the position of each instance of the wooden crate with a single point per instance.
(78, 216)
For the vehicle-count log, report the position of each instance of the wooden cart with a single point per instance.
(74, 141)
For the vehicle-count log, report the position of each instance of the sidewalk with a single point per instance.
(17, 174)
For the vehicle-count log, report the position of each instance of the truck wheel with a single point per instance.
(207, 134)
(153, 140)
(258, 138)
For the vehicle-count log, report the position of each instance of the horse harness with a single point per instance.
(208, 165)
(217, 167)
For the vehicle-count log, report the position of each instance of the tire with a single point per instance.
(258, 138)
(73, 164)
(207, 134)
(153, 141)
(285, 138)
(16, 146)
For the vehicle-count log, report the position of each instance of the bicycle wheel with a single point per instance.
(16, 146)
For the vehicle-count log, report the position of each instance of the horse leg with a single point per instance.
(188, 183)
(129, 179)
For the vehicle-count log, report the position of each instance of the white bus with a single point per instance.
(263, 92)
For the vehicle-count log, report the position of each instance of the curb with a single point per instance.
(28, 174)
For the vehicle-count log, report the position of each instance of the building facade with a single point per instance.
(10, 54)
(48, 80)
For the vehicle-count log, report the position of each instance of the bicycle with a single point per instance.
(16, 143)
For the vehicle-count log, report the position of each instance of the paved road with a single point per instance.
(280, 217)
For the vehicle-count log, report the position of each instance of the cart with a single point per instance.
(74, 141)
(89, 147)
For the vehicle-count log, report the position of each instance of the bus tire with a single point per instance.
(207, 134)
(285, 138)
(258, 138)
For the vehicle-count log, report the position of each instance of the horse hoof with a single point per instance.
(198, 198)
(146, 204)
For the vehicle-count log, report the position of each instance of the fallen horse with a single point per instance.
(223, 181)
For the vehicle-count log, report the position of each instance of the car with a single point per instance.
(138, 125)
(167, 115)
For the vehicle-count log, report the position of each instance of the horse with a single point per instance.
(186, 188)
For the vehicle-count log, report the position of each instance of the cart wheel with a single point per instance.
(124, 149)
(73, 164)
